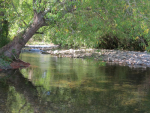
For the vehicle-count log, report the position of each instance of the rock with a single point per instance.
(139, 62)
(110, 59)
(56, 52)
(71, 50)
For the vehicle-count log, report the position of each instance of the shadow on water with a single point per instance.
(53, 85)
(13, 78)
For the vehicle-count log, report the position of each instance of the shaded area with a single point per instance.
(13, 78)
(4, 89)
(4, 25)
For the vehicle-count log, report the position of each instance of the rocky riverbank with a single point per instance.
(130, 58)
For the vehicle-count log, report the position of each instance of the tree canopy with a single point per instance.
(122, 24)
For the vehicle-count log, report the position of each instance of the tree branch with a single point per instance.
(64, 8)
(39, 32)
(46, 11)
(17, 12)
(49, 9)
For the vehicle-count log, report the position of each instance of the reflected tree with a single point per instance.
(28, 90)
(4, 89)
(99, 94)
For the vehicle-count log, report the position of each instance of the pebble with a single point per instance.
(134, 58)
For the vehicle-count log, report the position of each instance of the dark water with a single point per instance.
(64, 85)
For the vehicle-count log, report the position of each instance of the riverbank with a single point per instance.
(4, 65)
(124, 58)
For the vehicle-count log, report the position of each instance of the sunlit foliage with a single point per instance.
(106, 24)
(110, 24)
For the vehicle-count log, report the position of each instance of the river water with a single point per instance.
(66, 85)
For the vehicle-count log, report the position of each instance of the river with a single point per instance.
(67, 85)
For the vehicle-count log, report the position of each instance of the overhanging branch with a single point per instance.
(46, 11)
(50, 8)
(17, 12)
(39, 32)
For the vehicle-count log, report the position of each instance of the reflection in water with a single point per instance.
(63, 85)
(4, 88)
(23, 87)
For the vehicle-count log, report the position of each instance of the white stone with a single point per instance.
(56, 52)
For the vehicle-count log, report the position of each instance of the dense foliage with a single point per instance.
(120, 24)
(3, 25)
(106, 24)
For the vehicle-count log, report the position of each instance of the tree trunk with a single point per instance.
(13, 49)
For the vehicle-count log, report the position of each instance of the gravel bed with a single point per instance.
(130, 58)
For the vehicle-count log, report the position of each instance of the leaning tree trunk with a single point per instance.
(13, 49)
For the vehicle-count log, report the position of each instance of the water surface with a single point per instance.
(66, 85)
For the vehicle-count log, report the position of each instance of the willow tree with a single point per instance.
(42, 13)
